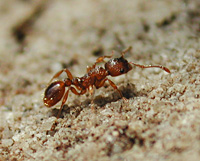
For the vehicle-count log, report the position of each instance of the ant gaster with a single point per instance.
(95, 77)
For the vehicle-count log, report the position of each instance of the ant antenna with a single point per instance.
(152, 66)
(144, 66)
(126, 50)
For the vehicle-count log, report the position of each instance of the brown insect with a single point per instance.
(95, 77)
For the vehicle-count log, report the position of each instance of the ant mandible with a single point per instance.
(95, 77)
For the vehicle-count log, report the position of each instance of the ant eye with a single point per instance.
(122, 70)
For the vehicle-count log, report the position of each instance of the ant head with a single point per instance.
(118, 66)
(54, 93)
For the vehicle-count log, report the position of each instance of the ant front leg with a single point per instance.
(60, 72)
(99, 60)
(100, 84)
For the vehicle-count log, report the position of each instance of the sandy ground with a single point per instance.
(160, 120)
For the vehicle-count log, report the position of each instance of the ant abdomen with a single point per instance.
(54, 93)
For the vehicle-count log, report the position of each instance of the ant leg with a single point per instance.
(113, 85)
(60, 110)
(60, 72)
(63, 102)
(92, 91)
(99, 60)
(66, 96)
(65, 99)
(83, 91)
(152, 66)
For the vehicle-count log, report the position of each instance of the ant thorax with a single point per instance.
(97, 73)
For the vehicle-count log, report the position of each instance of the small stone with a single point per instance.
(6, 142)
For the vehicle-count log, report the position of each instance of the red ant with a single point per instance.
(95, 77)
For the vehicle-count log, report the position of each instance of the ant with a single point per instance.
(95, 77)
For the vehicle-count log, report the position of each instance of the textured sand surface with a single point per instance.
(160, 120)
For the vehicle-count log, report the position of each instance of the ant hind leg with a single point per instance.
(60, 110)
(66, 96)
(63, 102)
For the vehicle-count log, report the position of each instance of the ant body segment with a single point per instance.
(95, 77)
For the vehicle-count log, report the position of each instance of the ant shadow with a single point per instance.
(128, 91)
